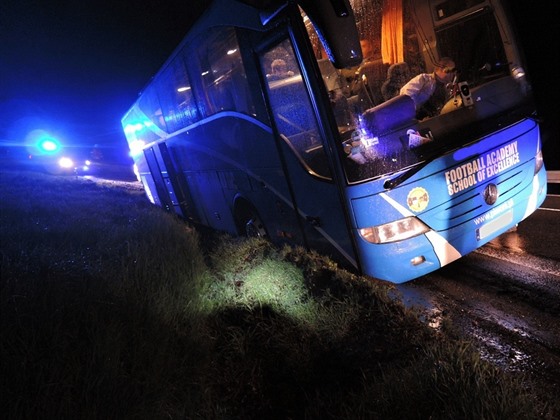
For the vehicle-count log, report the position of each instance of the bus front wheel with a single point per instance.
(254, 228)
(249, 223)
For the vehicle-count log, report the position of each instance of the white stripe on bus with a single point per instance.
(445, 252)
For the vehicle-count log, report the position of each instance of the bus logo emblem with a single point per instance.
(418, 199)
(490, 194)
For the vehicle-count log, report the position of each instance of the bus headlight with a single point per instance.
(518, 73)
(538, 161)
(395, 231)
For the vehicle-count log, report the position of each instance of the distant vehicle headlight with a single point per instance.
(66, 163)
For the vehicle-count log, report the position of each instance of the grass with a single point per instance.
(112, 308)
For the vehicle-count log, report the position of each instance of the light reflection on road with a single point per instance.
(510, 240)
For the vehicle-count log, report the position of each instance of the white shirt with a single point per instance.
(420, 88)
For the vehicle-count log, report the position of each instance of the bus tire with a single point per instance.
(254, 228)
(248, 221)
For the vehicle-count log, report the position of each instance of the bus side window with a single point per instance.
(151, 107)
(176, 98)
(292, 110)
(224, 79)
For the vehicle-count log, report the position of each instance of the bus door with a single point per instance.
(301, 144)
(165, 178)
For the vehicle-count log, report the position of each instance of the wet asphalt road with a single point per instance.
(505, 298)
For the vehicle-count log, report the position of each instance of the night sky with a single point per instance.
(77, 66)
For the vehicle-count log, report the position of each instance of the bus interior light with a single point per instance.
(394, 231)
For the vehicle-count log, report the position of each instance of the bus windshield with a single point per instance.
(423, 89)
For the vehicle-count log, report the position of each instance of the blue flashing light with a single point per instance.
(45, 144)
(41, 143)
(48, 145)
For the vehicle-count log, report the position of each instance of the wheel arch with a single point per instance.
(248, 222)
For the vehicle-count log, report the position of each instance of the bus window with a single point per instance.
(477, 64)
(224, 79)
(380, 137)
(150, 106)
(175, 94)
(353, 94)
(292, 110)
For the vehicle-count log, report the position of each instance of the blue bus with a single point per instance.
(296, 121)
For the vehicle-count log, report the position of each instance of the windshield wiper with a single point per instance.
(398, 180)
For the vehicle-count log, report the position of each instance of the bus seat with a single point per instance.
(376, 73)
(397, 76)
(394, 113)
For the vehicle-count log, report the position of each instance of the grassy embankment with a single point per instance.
(112, 308)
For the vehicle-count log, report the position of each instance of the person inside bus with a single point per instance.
(279, 70)
(430, 91)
